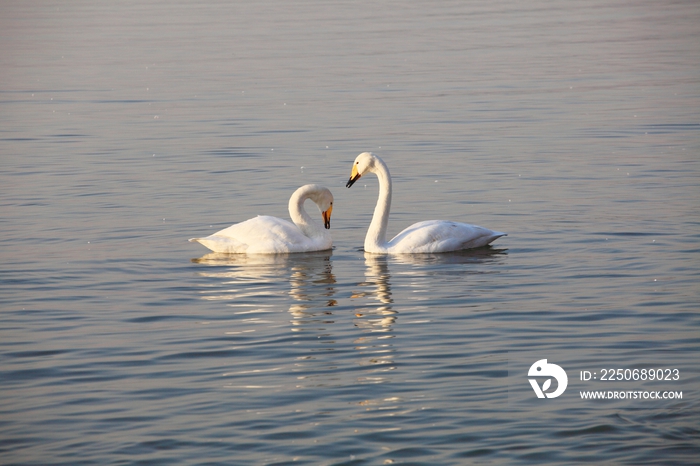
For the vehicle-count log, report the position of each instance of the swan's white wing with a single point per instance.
(263, 235)
(441, 236)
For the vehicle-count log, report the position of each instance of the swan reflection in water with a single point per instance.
(377, 316)
(309, 274)
(253, 282)
(376, 319)
(256, 287)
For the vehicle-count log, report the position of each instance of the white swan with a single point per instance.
(430, 236)
(271, 235)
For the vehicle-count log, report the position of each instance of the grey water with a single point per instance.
(128, 127)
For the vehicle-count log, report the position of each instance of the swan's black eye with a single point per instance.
(357, 163)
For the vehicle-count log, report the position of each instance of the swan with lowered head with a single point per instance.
(271, 235)
(430, 236)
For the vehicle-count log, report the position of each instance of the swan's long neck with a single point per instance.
(375, 241)
(299, 215)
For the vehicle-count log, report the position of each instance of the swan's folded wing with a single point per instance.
(442, 236)
(267, 234)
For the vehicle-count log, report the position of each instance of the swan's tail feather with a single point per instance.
(495, 235)
(483, 240)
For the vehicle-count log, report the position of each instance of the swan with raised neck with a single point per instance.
(432, 236)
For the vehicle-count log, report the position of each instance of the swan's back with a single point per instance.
(434, 236)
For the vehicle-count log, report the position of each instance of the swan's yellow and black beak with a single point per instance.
(327, 218)
(354, 176)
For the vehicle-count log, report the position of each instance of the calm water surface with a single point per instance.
(128, 128)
